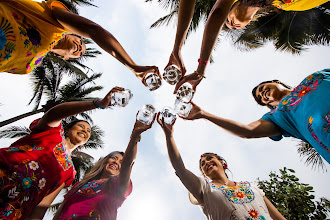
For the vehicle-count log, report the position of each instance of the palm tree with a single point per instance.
(313, 158)
(47, 80)
(290, 31)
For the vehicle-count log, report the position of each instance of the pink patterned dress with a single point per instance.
(95, 200)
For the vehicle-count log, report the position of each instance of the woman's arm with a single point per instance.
(40, 210)
(53, 117)
(189, 180)
(256, 129)
(186, 12)
(274, 213)
(216, 19)
(87, 28)
(130, 155)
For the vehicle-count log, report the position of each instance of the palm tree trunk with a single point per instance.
(19, 117)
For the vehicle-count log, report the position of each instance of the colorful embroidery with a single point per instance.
(282, 4)
(95, 215)
(311, 130)
(7, 40)
(24, 181)
(239, 194)
(91, 188)
(25, 148)
(326, 122)
(306, 87)
(62, 156)
(255, 215)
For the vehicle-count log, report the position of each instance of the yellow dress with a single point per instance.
(27, 33)
(297, 5)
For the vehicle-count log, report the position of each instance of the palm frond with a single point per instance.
(15, 132)
(313, 157)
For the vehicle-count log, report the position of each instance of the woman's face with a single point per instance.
(211, 165)
(271, 93)
(72, 47)
(79, 133)
(239, 16)
(112, 168)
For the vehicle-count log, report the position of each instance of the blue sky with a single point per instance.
(226, 92)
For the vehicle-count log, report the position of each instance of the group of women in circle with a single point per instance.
(35, 168)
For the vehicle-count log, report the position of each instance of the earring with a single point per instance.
(225, 166)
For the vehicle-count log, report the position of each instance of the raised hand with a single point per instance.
(140, 127)
(168, 129)
(194, 79)
(106, 101)
(177, 60)
(141, 71)
(195, 113)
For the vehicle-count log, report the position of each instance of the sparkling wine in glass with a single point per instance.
(182, 109)
(153, 81)
(172, 74)
(185, 93)
(146, 114)
(121, 98)
(168, 114)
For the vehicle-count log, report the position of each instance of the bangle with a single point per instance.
(200, 74)
(200, 61)
(97, 104)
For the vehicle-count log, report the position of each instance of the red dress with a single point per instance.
(31, 168)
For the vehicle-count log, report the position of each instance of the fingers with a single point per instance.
(177, 86)
(153, 120)
(158, 120)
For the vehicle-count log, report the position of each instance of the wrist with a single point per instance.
(136, 137)
(98, 104)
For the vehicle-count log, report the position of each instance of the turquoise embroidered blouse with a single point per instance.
(305, 113)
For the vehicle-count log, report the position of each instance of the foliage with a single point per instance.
(313, 158)
(289, 31)
(292, 198)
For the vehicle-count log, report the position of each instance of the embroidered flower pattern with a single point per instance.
(42, 183)
(62, 156)
(326, 122)
(306, 87)
(20, 186)
(253, 214)
(282, 4)
(239, 194)
(33, 165)
(91, 188)
(311, 130)
(26, 148)
(7, 40)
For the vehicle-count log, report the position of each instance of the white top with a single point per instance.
(243, 201)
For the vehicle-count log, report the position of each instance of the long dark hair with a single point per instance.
(93, 174)
(258, 99)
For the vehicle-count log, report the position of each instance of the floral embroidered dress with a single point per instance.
(297, 5)
(243, 201)
(30, 169)
(95, 200)
(27, 33)
(305, 113)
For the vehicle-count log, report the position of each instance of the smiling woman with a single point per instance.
(219, 197)
(29, 30)
(34, 169)
(105, 187)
